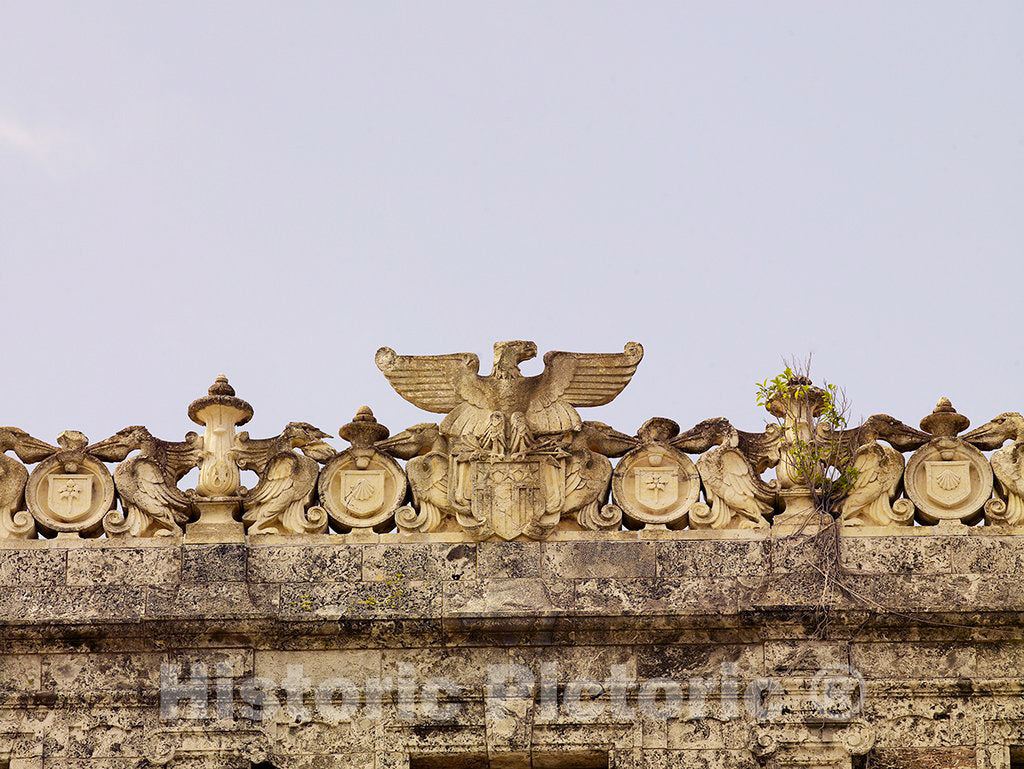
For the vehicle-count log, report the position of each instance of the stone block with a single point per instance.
(657, 597)
(35, 566)
(213, 563)
(427, 561)
(712, 557)
(898, 555)
(598, 559)
(305, 563)
(509, 560)
(212, 601)
(392, 599)
(914, 661)
(503, 597)
(124, 566)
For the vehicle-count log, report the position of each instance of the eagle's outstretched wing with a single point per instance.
(578, 379)
(443, 384)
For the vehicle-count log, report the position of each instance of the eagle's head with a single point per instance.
(508, 355)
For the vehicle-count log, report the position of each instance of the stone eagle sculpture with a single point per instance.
(451, 385)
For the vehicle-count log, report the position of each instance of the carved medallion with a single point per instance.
(361, 488)
(657, 488)
(656, 484)
(70, 491)
(948, 479)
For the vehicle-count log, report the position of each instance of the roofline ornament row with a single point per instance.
(510, 458)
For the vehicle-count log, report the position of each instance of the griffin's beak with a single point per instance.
(320, 451)
(615, 444)
(988, 436)
(908, 439)
(401, 445)
(113, 449)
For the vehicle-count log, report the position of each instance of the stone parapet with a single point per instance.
(928, 627)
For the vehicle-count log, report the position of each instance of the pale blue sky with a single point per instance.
(276, 189)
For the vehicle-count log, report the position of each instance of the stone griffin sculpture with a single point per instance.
(426, 452)
(16, 522)
(878, 471)
(1007, 465)
(517, 454)
(278, 504)
(730, 468)
(147, 484)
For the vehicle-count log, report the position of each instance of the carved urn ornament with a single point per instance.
(219, 412)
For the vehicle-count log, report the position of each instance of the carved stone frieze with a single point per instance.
(362, 487)
(948, 479)
(511, 458)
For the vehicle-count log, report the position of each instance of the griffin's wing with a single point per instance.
(578, 379)
(254, 453)
(182, 456)
(762, 449)
(275, 484)
(437, 383)
(867, 462)
(155, 494)
(738, 488)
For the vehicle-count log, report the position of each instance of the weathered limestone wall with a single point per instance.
(929, 617)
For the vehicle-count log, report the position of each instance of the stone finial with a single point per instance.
(944, 421)
(220, 412)
(220, 394)
(364, 430)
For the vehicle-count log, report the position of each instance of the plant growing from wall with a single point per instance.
(814, 455)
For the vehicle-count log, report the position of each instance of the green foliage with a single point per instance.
(816, 456)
